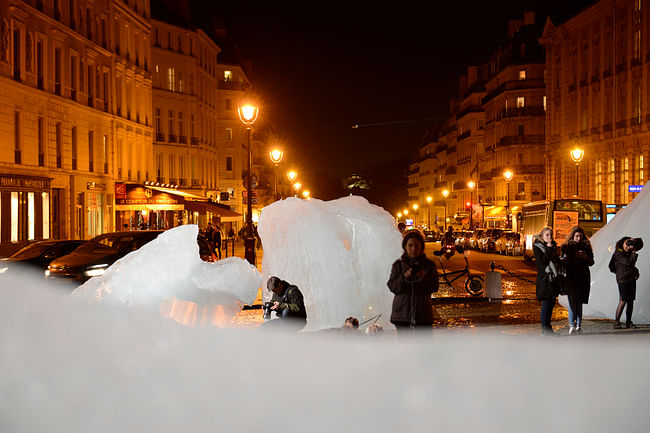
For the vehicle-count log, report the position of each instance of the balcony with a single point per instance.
(440, 184)
(451, 170)
(458, 185)
(173, 181)
(160, 180)
(513, 85)
(413, 185)
(470, 109)
(521, 112)
(172, 138)
(196, 183)
(160, 137)
(182, 182)
(232, 85)
(621, 124)
(194, 141)
(464, 135)
(520, 140)
(182, 139)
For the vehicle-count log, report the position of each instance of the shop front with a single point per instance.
(24, 211)
(142, 207)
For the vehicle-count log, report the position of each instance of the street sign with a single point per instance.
(635, 188)
(253, 200)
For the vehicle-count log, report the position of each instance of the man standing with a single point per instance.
(217, 241)
(209, 236)
(288, 303)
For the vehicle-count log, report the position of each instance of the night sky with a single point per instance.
(318, 69)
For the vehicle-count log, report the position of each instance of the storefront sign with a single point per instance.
(635, 188)
(24, 182)
(137, 194)
(95, 186)
(120, 191)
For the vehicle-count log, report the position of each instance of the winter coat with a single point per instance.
(291, 300)
(413, 297)
(544, 255)
(626, 271)
(578, 277)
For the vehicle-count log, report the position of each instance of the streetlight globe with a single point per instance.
(276, 156)
(471, 184)
(445, 193)
(507, 175)
(297, 186)
(577, 154)
(415, 206)
(429, 199)
(247, 113)
(305, 194)
(292, 175)
(406, 212)
(399, 214)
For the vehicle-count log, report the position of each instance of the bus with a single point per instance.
(562, 215)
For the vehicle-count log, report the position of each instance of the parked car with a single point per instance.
(462, 238)
(486, 241)
(501, 242)
(514, 244)
(473, 240)
(95, 256)
(430, 236)
(38, 255)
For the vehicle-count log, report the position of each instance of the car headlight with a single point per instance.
(47, 272)
(3, 269)
(95, 270)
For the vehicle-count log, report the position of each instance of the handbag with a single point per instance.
(556, 274)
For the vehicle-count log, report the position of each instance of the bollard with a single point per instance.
(493, 289)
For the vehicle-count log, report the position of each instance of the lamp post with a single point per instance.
(297, 186)
(507, 176)
(248, 116)
(576, 155)
(471, 184)
(306, 194)
(415, 218)
(445, 194)
(429, 200)
(406, 214)
(276, 157)
(399, 216)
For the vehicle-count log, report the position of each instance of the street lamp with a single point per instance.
(276, 157)
(399, 215)
(292, 175)
(297, 187)
(576, 155)
(445, 194)
(248, 116)
(415, 219)
(507, 176)
(305, 194)
(471, 184)
(429, 200)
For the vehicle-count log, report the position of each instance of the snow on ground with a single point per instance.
(78, 367)
(603, 299)
(339, 253)
(167, 273)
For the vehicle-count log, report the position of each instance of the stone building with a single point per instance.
(75, 98)
(598, 93)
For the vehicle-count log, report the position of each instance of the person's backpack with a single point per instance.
(612, 265)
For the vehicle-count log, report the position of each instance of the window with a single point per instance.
(641, 169)
(73, 77)
(105, 152)
(171, 167)
(91, 151)
(57, 71)
(41, 141)
(59, 145)
(228, 104)
(159, 166)
(158, 122)
(227, 75)
(544, 102)
(626, 180)
(521, 102)
(45, 201)
(522, 75)
(170, 121)
(521, 188)
(599, 180)
(229, 134)
(17, 138)
(16, 54)
(170, 78)
(192, 125)
(612, 181)
(74, 147)
(229, 163)
(180, 81)
(180, 123)
(520, 130)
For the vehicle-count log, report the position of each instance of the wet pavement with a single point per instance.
(517, 313)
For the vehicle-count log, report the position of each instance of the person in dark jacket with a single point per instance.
(624, 259)
(546, 259)
(288, 303)
(413, 278)
(578, 256)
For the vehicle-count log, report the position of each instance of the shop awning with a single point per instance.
(226, 215)
(495, 212)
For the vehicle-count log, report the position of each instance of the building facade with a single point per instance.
(598, 91)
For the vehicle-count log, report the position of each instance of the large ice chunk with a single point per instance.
(168, 273)
(339, 253)
(603, 297)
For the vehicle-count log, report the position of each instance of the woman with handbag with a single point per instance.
(578, 256)
(547, 286)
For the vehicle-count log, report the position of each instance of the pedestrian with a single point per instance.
(547, 289)
(413, 278)
(578, 256)
(401, 227)
(623, 264)
(209, 236)
(216, 235)
(288, 304)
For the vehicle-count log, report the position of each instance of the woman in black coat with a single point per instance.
(413, 278)
(578, 256)
(624, 262)
(546, 259)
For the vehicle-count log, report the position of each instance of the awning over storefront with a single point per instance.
(225, 215)
(495, 212)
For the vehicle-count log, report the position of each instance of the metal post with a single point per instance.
(276, 182)
(577, 179)
(471, 224)
(429, 218)
(249, 236)
(508, 214)
(445, 225)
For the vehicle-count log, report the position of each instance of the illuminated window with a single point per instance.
(30, 216)
(14, 216)
(171, 73)
(599, 180)
(521, 102)
(229, 133)
(522, 75)
(626, 180)
(641, 169)
(46, 215)
(544, 102)
(227, 75)
(611, 193)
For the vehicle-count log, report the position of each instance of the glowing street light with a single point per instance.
(576, 155)
(429, 200)
(471, 185)
(276, 157)
(297, 187)
(415, 218)
(445, 194)
(248, 116)
(305, 194)
(292, 176)
(507, 176)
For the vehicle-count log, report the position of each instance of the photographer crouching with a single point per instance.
(287, 303)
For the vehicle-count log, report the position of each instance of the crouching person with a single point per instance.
(623, 263)
(287, 303)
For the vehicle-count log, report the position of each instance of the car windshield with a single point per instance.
(31, 251)
(106, 243)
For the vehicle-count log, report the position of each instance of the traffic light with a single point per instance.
(468, 205)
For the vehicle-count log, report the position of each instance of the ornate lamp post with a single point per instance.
(292, 175)
(445, 194)
(276, 157)
(576, 155)
(248, 116)
(429, 200)
(471, 184)
(507, 176)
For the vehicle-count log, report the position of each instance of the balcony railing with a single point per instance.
(464, 135)
(182, 139)
(520, 140)
(458, 185)
(196, 183)
(451, 170)
(172, 138)
(194, 141)
(173, 180)
(513, 85)
(521, 111)
(182, 182)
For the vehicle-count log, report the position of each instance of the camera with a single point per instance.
(636, 243)
(416, 267)
(266, 307)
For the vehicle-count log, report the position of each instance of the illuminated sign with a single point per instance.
(634, 188)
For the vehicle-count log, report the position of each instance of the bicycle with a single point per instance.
(473, 283)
